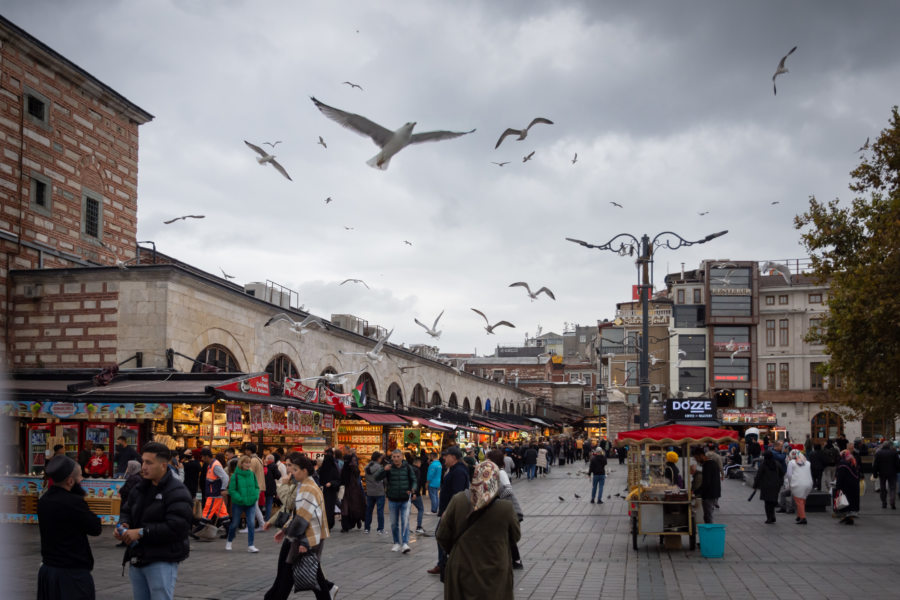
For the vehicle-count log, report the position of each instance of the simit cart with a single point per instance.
(656, 506)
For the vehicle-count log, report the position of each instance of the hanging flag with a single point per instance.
(295, 389)
(336, 402)
(359, 394)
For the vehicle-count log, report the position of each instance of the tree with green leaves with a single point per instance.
(855, 249)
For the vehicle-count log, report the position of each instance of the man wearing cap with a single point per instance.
(65, 521)
(455, 480)
(597, 470)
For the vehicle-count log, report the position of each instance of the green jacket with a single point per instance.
(399, 481)
(242, 488)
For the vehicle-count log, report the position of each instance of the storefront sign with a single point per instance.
(748, 416)
(256, 418)
(91, 411)
(257, 385)
(233, 417)
(295, 389)
(729, 291)
(691, 409)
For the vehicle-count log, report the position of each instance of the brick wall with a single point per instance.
(69, 325)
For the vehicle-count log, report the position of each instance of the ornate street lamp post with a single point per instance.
(626, 244)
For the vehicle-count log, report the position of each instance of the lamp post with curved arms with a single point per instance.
(625, 244)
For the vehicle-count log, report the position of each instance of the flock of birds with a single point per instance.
(390, 143)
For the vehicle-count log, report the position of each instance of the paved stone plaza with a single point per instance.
(571, 549)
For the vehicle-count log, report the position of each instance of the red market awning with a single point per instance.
(503, 426)
(522, 427)
(426, 423)
(485, 423)
(676, 434)
(381, 418)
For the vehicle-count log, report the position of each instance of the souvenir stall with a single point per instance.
(420, 435)
(658, 507)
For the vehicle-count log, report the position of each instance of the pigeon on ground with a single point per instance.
(781, 69)
(522, 133)
(609, 496)
(355, 281)
(264, 157)
(534, 295)
(184, 218)
(353, 85)
(561, 499)
(390, 142)
(432, 331)
(322, 143)
(577, 496)
(528, 157)
(490, 328)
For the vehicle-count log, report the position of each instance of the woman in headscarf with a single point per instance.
(506, 493)
(768, 481)
(476, 531)
(847, 476)
(799, 476)
(132, 478)
(671, 469)
(330, 481)
(353, 505)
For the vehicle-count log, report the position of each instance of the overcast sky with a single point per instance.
(669, 106)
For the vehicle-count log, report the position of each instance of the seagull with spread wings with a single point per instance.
(298, 327)
(333, 378)
(184, 218)
(353, 85)
(735, 353)
(783, 270)
(322, 143)
(682, 354)
(533, 295)
(355, 281)
(522, 133)
(528, 157)
(226, 275)
(433, 330)
(264, 157)
(390, 142)
(575, 158)
(781, 69)
(616, 204)
(490, 328)
(500, 164)
(375, 354)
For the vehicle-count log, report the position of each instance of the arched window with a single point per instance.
(478, 405)
(466, 406)
(875, 427)
(418, 396)
(435, 399)
(453, 402)
(395, 395)
(215, 359)
(281, 367)
(826, 426)
(370, 389)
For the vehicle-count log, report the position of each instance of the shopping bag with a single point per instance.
(305, 569)
(840, 501)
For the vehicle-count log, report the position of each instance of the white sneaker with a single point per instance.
(381, 532)
(228, 545)
(333, 591)
(406, 548)
(244, 530)
(252, 549)
(419, 530)
(394, 548)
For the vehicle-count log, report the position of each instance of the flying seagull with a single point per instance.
(353, 85)
(724, 281)
(264, 157)
(322, 143)
(390, 142)
(774, 202)
(522, 133)
(407, 242)
(226, 275)
(333, 378)
(328, 200)
(500, 164)
(682, 354)
(348, 228)
(534, 295)
(355, 281)
(298, 327)
(433, 330)
(375, 354)
(735, 353)
(184, 218)
(272, 144)
(403, 370)
(864, 147)
(616, 204)
(782, 269)
(781, 69)
(490, 328)
(527, 158)
(724, 265)
(705, 212)
(730, 346)
(575, 158)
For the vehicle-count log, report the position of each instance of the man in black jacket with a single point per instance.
(455, 480)
(711, 482)
(124, 453)
(597, 470)
(154, 523)
(192, 468)
(885, 466)
(65, 522)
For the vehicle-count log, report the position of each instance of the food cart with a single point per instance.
(657, 507)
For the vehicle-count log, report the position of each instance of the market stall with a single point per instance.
(657, 506)
(424, 436)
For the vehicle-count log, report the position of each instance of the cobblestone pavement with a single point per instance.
(571, 549)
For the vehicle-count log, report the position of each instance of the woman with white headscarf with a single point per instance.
(476, 531)
(800, 482)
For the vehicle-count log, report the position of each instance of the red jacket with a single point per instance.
(98, 465)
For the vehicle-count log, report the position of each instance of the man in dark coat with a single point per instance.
(455, 480)
(885, 466)
(154, 523)
(711, 483)
(124, 454)
(816, 460)
(65, 522)
(768, 481)
(192, 469)
(529, 460)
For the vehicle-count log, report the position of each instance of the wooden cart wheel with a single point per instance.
(634, 532)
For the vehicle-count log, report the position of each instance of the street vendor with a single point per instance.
(671, 470)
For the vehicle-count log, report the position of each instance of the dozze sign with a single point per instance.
(699, 409)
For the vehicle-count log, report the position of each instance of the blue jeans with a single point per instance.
(269, 501)
(434, 494)
(530, 470)
(371, 503)
(236, 511)
(156, 581)
(598, 481)
(399, 521)
(420, 508)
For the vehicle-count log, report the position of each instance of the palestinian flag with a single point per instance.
(359, 394)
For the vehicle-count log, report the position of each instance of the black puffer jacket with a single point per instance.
(164, 511)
